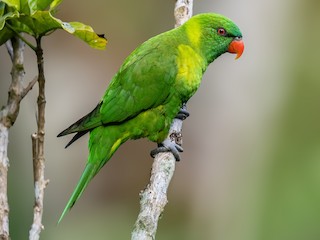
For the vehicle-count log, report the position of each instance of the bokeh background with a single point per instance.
(251, 165)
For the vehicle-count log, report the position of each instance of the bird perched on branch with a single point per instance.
(149, 89)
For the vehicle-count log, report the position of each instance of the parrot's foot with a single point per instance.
(174, 141)
(168, 146)
(183, 113)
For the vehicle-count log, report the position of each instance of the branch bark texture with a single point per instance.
(4, 165)
(154, 198)
(38, 151)
(8, 116)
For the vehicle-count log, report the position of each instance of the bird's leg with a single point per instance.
(174, 142)
(183, 113)
(169, 145)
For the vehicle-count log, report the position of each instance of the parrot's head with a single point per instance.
(214, 34)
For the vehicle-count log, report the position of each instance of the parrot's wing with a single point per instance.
(84, 124)
(144, 81)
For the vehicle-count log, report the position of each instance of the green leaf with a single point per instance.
(38, 5)
(5, 35)
(87, 34)
(54, 4)
(2, 6)
(7, 16)
(39, 23)
(42, 22)
(24, 7)
(13, 3)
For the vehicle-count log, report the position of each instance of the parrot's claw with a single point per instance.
(183, 113)
(168, 146)
(173, 143)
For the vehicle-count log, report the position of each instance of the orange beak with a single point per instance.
(237, 47)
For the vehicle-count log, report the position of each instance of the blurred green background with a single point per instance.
(251, 166)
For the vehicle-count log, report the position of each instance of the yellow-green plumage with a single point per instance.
(149, 90)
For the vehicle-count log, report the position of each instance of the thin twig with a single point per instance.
(154, 198)
(38, 151)
(9, 49)
(28, 87)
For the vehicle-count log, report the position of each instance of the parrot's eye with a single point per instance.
(222, 32)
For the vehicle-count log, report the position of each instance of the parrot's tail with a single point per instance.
(103, 142)
(88, 173)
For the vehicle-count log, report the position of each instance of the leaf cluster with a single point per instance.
(36, 18)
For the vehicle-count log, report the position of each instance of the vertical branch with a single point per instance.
(4, 165)
(182, 11)
(154, 198)
(38, 151)
(8, 116)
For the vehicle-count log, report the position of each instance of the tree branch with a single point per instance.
(182, 11)
(9, 49)
(154, 198)
(28, 87)
(8, 116)
(4, 165)
(38, 151)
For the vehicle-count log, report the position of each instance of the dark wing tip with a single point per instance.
(65, 132)
(60, 134)
(75, 137)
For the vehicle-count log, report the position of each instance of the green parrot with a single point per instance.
(150, 88)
